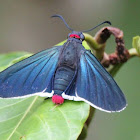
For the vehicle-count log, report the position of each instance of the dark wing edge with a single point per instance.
(31, 76)
(96, 86)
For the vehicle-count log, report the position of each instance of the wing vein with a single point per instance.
(42, 69)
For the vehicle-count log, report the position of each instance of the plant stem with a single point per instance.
(113, 71)
(91, 42)
(95, 46)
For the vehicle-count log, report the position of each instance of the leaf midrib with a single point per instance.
(66, 122)
(24, 115)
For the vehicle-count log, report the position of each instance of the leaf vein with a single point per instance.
(66, 121)
(44, 125)
(11, 118)
(24, 115)
(5, 131)
(12, 104)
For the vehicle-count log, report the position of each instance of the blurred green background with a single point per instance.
(25, 25)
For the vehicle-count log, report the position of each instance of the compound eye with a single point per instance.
(82, 37)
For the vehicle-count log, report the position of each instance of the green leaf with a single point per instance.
(9, 59)
(35, 118)
(86, 45)
(136, 44)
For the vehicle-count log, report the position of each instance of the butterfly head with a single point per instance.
(77, 35)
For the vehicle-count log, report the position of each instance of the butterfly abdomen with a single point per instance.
(62, 79)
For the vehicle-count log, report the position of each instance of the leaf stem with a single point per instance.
(95, 47)
(91, 42)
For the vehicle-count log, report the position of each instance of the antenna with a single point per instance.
(59, 16)
(108, 22)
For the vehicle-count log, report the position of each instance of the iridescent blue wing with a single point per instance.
(32, 76)
(95, 85)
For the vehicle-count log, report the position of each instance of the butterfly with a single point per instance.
(63, 72)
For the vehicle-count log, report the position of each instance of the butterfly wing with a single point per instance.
(32, 76)
(95, 85)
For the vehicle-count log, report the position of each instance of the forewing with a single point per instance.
(95, 85)
(30, 76)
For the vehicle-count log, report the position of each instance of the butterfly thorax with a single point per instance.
(68, 56)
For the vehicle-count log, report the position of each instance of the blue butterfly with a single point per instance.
(64, 72)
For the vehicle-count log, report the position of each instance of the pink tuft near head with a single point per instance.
(57, 99)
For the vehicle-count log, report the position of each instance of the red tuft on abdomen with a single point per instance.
(57, 99)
